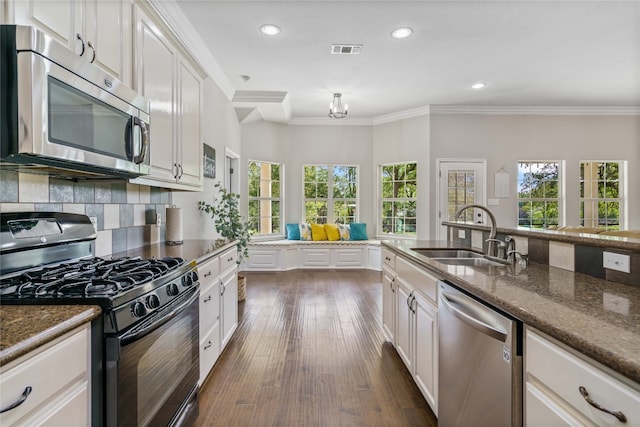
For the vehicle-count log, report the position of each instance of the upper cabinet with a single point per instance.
(97, 30)
(173, 86)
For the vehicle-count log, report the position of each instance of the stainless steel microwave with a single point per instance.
(62, 115)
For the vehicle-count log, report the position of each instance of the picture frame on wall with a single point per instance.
(209, 161)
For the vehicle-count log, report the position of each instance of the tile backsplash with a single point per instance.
(126, 213)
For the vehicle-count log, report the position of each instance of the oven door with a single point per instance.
(65, 118)
(153, 369)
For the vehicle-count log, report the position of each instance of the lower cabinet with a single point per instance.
(218, 307)
(389, 303)
(416, 326)
(559, 383)
(55, 396)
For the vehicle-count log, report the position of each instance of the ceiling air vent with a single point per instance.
(346, 49)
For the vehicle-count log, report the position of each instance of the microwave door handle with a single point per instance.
(145, 140)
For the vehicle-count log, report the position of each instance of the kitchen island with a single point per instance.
(598, 318)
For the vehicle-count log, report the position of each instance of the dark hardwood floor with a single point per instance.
(309, 351)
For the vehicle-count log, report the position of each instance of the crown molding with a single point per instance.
(402, 115)
(327, 121)
(536, 110)
(171, 13)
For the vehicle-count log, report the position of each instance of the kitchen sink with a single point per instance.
(471, 262)
(449, 253)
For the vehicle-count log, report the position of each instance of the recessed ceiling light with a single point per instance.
(401, 33)
(478, 85)
(270, 30)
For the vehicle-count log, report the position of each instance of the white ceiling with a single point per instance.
(530, 53)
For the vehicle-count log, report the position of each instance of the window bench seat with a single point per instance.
(282, 255)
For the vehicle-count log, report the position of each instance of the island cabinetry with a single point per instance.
(416, 326)
(565, 388)
(218, 307)
(50, 385)
(100, 31)
(388, 295)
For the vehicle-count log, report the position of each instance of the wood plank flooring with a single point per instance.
(309, 351)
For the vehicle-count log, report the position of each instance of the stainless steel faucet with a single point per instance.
(491, 246)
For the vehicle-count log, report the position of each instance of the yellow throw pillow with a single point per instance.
(333, 233)
(317, 232)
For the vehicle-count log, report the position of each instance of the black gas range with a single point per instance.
(148, 306)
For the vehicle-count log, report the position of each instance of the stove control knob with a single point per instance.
(187, 280)
(172, 289)
(138, 309)
(152, 301)
(194, 276)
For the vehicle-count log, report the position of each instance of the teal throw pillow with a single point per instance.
(358, 231)
(293, 231)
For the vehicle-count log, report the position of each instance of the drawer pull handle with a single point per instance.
(208, 345)
(207, 274)
(619, 415)
(207, 299)
(20, 401)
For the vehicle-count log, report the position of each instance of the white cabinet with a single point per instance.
(559, 382)
(389, 303)
(57, 396)
(100, 31)
(218, 307)
(174, 91)
(409, 294)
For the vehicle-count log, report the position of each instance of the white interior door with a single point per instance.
(459, 183)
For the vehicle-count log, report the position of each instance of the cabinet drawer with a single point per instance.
(389, 259)
(316, 257)
(209, 306)
(562, 372)
(417, 277)
(209, 351)
(349, 257)
(43, 374)
(208, 271)
(228, 259)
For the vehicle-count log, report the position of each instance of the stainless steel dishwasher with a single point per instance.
(480, 363)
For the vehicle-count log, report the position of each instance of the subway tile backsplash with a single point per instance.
(125, 212)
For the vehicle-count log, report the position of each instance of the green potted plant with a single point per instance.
(230, 225)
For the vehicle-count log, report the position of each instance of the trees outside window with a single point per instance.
(601, 195)
(539, 194)
(330, 193)
(265, 201)
(398, 198)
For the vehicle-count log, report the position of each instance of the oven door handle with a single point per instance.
(158, 320)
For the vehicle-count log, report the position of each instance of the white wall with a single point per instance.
(220, 130)
(506, 139)
(406, 141)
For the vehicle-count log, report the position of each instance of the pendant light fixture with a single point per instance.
(336, 110)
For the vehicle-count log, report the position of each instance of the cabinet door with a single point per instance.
(155, 77)
(426, 350)
(388, 304)
(60, 19)
(543, 411)
(404, 318)
(189, 141)
(228, 306)
(107, 26)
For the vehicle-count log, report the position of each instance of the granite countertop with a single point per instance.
(599, 318)
(196, 249)
(24, 328)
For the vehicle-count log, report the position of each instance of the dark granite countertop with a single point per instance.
(199, 250)
(599, 318)
(24, 328)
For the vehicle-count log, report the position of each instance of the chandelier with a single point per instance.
(336, 110)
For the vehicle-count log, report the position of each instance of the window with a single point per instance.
(601, 200)
(265, 214)
(539, 194)
(330, 194)
(398, 187)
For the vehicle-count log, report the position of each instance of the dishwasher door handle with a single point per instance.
(449, 300)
